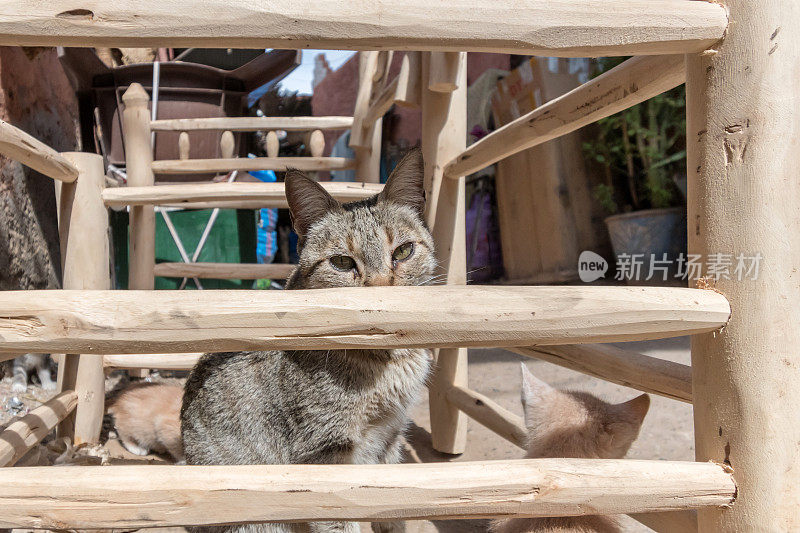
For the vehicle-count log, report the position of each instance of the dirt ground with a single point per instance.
(667, 432)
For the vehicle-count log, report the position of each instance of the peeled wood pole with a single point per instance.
(365, 138)
(444, 134)
(744, 197)
(83, 230)
(138, 162)
(138, 159)
(27, 431)
(117, 497)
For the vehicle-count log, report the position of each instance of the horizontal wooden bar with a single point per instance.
(634, 81)
(489, 414)
(223, 270)
(253, 124)
(31, 152)
(246, 164)
(112, 497)
(25, 432)
(624, 367)
(163, 361)
(574, 28)
(203, 195)
(132, 321)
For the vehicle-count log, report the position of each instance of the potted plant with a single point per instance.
(642, 154)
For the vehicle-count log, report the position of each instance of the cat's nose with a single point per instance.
(379, 280)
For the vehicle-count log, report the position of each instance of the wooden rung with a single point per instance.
(31, 152)
(488, 413)
(627, 84)
(223, 270)
(246, 164)
(253, 124)
(133, 321)
(625, 367)
(161, 361)
(576, 28)
(25, 432)
(112, 497)
(255, 195)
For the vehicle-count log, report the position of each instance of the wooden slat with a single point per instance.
(567, 28)
(223, 270)
(254, 195)
(25, 432)
(375, 317)
(124, 497)
(625, 367)
(253, 124)
(628, 84)
(161, 361)
(488, 413)
(31, 152)
(246, 164)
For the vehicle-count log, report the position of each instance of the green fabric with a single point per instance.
(231, 240)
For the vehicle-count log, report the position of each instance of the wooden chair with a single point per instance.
(742, 197)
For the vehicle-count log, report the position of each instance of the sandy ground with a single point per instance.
(666, 434)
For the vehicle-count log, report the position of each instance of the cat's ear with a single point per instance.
(406, 184)
(623, 423)
(536, 395)
(634, 410)
(308, 201)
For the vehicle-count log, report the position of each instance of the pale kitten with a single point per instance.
(574, 424)
(147, 418)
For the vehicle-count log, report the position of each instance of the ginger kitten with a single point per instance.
(147, 418)
(574, 424)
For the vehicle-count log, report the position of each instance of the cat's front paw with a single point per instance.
(18, 386)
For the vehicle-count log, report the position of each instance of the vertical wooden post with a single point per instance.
(365, 139)
(744, 198)
(138, 165)
(444, 135)
(83, 231)
(272, 144)
(184, 145)
(226, 144)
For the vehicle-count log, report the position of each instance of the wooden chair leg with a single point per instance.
(86, 265)
(444, 134)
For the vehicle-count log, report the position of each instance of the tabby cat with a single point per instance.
(335, 406)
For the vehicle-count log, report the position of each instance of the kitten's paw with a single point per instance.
(134, 448)
(18, 386)
(49, 385)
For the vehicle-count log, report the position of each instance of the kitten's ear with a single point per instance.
(308, 201)
(634, 410)
(623, 426)
(536, 396)
(406, 184)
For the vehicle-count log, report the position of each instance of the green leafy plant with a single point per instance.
(641, 150)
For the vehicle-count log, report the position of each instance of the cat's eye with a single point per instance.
(343, 263)
(403, 252)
